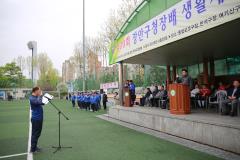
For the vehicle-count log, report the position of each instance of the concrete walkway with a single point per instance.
(187, 143)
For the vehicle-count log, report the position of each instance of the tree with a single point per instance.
(62, 89)
(21, 62)
(28, 65)
(99, 47)
(157, 75)
(114, 23)
(11, 76)
(48, 76)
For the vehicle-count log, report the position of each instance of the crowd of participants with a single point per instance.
(89, 101)
(225, 96)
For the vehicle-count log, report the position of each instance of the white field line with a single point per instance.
(29, 154)
(13, 155)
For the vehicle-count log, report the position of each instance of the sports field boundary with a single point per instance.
(13, 155)
(29, 154)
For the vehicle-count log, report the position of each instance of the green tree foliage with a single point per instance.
(94, 84)
(11, 76)
(138, 81)
(107, 77)
(48, 75)
(157, 76)
(62, 89)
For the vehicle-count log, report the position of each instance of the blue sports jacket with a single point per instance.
(36, 107)
(79, 98)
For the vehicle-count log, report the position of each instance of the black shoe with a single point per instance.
(232, 114)
(38, 149)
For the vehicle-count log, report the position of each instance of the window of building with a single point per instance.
(228, 66)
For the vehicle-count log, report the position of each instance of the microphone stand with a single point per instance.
(59, 147)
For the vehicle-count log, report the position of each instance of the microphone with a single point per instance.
(47, 98)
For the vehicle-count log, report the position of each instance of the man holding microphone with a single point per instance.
(37, 117)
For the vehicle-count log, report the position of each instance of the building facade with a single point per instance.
(68, 71)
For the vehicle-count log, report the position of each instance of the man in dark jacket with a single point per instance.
(155, 98)
(163, 96)
(73, 98)
(231, 103)
(145, 97)
(185, 79)
(104, 100)
(37, 117)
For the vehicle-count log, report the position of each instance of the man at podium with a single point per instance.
(185, 79)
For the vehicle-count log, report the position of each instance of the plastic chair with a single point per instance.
(217, 98)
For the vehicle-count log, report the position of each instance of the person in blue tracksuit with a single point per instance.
(87, 101)
(37, 117)
(94, 102)
(78, 100)
(81, 100)
(99, 101)
(73, 99)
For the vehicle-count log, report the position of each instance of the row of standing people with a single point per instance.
(89, 100)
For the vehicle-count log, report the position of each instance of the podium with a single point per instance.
(179, 97)
(127, 97)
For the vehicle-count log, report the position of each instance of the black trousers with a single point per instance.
(36, 132)
(94, 107)
(73, 103)
(133, 98)
(142, 101)
(155, 102)
(104, 105)
(88, 105)
(79, 104)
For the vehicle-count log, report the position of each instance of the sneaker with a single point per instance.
(38, 149)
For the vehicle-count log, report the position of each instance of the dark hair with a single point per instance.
(35, 89)
(185, 70)
(236, 80)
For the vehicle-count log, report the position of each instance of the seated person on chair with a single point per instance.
(229, 106)
(195, 95)
(221, 86)
(195, 91)
(145, 97)
(116, 99)
(163, 96)
(155, 98)
(204, 94)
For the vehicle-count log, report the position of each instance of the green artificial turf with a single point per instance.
(14, 124)
(90, 137)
